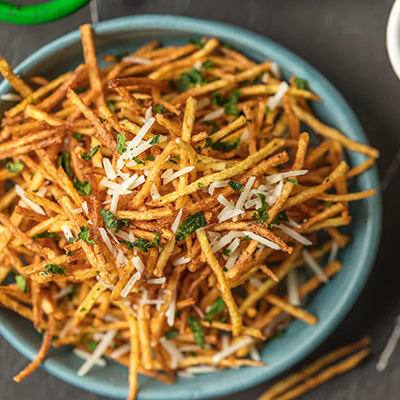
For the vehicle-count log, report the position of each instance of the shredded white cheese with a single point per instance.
(310, 261)
(103, 345)
(262, 240)
(175, 354)
(293, 288)
(177, 221)
(84, 355)
(295, 235)
(33, 206)
(274, 101)
(232, 349)
(219, 112)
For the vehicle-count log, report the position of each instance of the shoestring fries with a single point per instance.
(151, 210)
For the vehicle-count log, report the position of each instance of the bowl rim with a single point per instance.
(246, 39)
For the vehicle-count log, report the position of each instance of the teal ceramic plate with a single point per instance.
(330, 304)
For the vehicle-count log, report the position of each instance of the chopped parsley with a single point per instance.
(111, 222)
(70, 253)
(64, 161)
(190, 225)
(174, 159)
(196, 43)
(85, 156)
(138, 161)
(149, 157)
(207, 65)
(245, 239)
(21, 282)
(190, 79)
(77, 135)
(111, 104)
(229, 103)
(46, 234)
(197, 330)
(144, 244)
(83, 188)
(15, 167)
(171, 334)
(214, 126)
(155, 140)
(327, 205)
(121, 141)
(159, 109)
(102, 119)
(294, 181)
(226, 147)
(279, 218)
(261, 212)
(84, 235)
(236, 186)
(215, 309)
(91, 345)
(53, 269)
(300, 83)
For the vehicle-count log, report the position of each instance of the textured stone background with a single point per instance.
(343, 39)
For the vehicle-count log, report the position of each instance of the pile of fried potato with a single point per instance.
(159, 210)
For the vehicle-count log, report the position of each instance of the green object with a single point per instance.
(38, 14)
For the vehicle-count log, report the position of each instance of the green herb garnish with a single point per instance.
(190, 225)
(83, 188)
(196, 43)
(15, 167)
(190, 79)
(236, 186)
(262, 214)
(84, 235)
(226, 147)
(85, 156)
(214, 126)
(46, 234)
(111, 104)
(171, 334)
(215, 309)
(159, 109)
(53, 269)
(121, 141)
(77, 135)
(294, 181)
(197, 330)
(21, 282)
(155, 140)
(301, 83)
(111, 222)
(64, 161)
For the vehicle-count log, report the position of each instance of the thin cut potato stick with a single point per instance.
(222, 285)
(312, 369)
(334, 134)
(269, 284)
(134, 352)
(324, 376)
(207, 180)
(347, 196)
(292, 310)
(44, 349)
(316, 190)
(148, 209)
(15, 81)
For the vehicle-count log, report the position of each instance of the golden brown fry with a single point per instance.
(15, 81)
(44, 349)
(221, 280)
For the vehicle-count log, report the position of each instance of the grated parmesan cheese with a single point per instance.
(33, 206)
(232, 349)
(310, 261)
(103, 345)
(295, 235)
(85, 355)
(67, 232)
(176, 174)
(219, 112)
(108, 168)
(274, 101)
(177, 221)
(11, 97)
(262, 240)
(293, 288)
(175, 354)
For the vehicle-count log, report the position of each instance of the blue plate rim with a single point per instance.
(245, 38)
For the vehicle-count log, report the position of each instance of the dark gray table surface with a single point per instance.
(345, 40)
